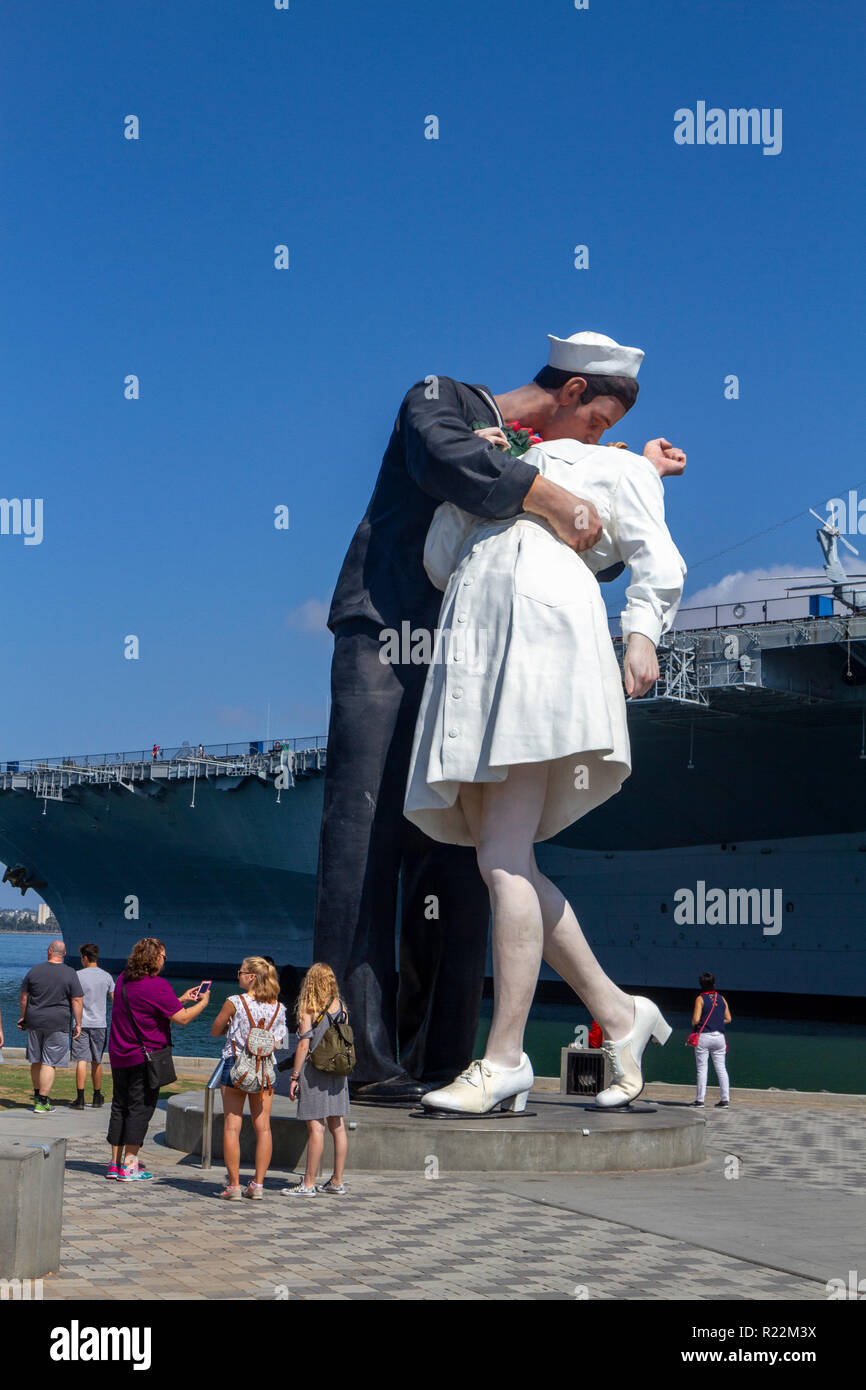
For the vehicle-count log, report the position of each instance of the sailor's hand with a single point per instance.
(668, 461)
(640, 667)
(495, 435)
(575, 521)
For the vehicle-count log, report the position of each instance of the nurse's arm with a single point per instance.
(644, 544)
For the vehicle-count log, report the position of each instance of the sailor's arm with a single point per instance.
(448, 461)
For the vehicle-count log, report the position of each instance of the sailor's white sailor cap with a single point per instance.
(593, 353)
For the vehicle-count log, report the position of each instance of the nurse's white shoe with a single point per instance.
(482, 1087)
(625, 1054)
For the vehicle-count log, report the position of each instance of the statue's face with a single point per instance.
(586, 423)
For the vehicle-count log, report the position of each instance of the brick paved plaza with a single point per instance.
(771, 1215)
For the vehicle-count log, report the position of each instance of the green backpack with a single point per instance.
(335, 1053)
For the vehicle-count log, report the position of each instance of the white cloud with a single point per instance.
(310, 616)
(748, 584)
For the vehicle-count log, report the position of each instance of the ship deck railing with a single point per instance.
(213, 757)
(763, 613)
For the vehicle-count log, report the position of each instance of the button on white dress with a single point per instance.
(524, 668)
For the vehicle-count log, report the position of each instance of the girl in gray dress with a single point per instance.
(322, 1097)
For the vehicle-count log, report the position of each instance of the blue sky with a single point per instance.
(407, 256)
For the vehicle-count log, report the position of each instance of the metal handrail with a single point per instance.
(737, 613)
(183, 753)
(207, 1118)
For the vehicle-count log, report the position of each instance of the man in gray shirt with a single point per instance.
(51, 1004)
(98, 987)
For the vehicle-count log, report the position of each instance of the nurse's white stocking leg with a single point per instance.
(504, 825)
(567, 950)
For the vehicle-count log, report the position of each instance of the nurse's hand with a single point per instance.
(575, 521)
(494, 434)
(666, 458)
(640, 667)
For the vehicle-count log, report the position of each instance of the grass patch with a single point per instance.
(16, 1090)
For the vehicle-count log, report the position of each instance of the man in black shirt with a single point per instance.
(417, 1029)
(51, 1004)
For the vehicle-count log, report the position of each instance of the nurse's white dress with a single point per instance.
(524, 668)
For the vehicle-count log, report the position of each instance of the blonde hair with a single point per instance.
(266, 985)
(318, 988)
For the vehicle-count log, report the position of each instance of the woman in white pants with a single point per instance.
(709, 1018)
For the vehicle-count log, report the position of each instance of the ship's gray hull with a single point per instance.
(229, 876)
(748, 793)
(236, 873)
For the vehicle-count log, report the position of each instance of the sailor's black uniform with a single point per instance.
(367, 847)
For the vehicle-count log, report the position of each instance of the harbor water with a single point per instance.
(763, 1053)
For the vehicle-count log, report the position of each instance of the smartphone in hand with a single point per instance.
(202, 989)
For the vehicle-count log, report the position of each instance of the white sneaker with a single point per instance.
(482, 1087)
(625, 1054)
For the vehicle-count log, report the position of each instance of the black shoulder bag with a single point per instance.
(159, 1066)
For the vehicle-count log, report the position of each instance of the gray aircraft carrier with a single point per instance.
(738, 844)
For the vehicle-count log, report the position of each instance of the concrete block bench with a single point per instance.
(31, 1206)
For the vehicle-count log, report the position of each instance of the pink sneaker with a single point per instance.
(136, 1174)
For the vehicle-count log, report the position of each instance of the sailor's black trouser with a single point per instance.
(423, 1019)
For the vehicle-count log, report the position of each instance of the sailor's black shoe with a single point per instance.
(398, 1090)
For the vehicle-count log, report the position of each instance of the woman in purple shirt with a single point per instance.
(155, 1007)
